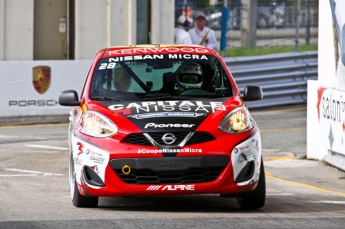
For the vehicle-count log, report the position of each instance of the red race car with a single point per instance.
(163, 120)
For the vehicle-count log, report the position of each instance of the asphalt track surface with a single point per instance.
(301, 193)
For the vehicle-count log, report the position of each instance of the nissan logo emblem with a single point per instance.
(169, 138)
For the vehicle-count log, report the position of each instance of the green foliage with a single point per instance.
(202, 3)
(257, 51)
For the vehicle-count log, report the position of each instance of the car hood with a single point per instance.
(179, 115)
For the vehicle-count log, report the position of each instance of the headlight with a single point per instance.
(97, 125)
(238, 120)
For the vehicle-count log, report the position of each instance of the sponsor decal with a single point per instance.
(170, 125)
(188, 187)
(169, 150)
(247, 151)
(154, 187)
(166, 114)
(28, 103)
(79, 159)
(88, 151)
(243, 147)
(170, 106)
(97, 160)
(235, 150)
(112, 61)
(41, 78)
(256, 144)
(333, 107)
(85, 154)
(157, 50)
(331, 111)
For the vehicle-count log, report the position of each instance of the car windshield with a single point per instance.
(161, 76)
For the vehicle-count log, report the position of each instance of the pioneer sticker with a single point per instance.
(169, 125)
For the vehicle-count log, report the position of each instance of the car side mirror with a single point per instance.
(69, 98)
(252, 93)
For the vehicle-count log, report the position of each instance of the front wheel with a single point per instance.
(79, 200)
(255, 199)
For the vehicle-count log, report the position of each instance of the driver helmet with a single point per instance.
(189, 75)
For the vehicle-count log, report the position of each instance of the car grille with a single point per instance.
(177, 170)
(193, 175)
(140, 139)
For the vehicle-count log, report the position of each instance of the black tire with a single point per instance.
(79, 200)
(255, 199)
(83, 201)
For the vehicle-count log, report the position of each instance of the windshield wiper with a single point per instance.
(159, 97)
(166, 97)
(105, 98)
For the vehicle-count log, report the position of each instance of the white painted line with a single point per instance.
(48, 147)
(35, 172)
(328, 202)
(6, 136)
(21, 137)
(30, 151)
(271, 150)
(18, 175)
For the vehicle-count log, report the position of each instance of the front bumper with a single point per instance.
(222, 167)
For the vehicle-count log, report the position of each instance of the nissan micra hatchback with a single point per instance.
(163, 120)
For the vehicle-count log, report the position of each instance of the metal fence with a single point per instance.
(282, 77)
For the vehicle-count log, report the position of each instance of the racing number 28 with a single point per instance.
(107, 66)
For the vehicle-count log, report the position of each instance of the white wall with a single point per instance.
(162, 21)
(16, 29)
(98, 24)
(90, 27)
(123, 22)
(2, 28)
(113, 23)
(326, 45)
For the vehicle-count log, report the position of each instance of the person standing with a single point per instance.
(201, 34)
(181, 36)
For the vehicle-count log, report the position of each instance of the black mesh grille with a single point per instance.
(193, 175)
(200, 137)
(140, 139)
(158, 137)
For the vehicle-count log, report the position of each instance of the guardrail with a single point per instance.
(282, 77)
